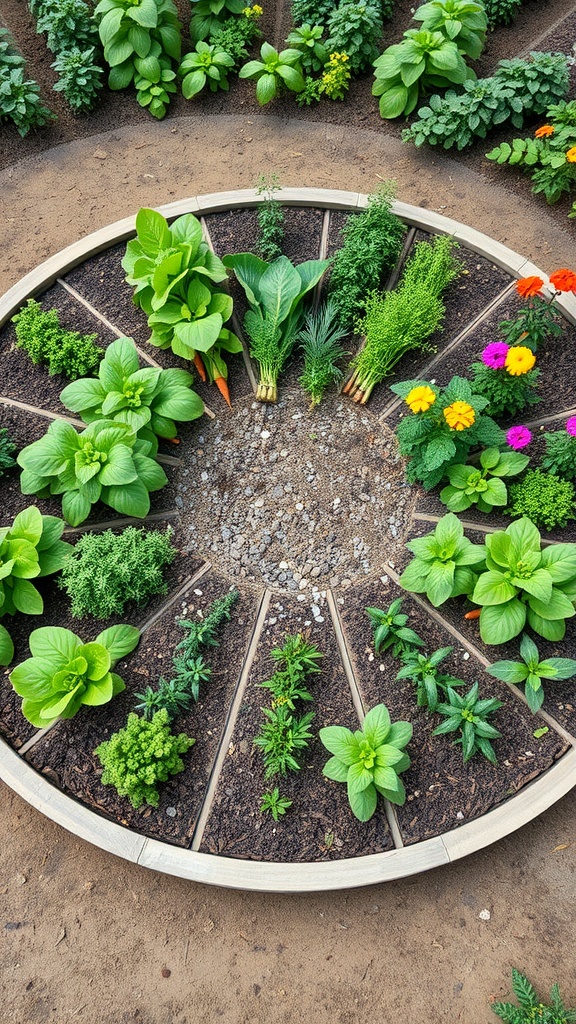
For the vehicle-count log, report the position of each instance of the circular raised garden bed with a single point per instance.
(306, 516)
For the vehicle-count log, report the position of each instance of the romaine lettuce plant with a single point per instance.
(525, 584)
(369, 760)
(30, 548)
(64, 672)
(446, 564)
(147, 400)
(105, 462)
(275, 292)
(531, 671)
(482, 486)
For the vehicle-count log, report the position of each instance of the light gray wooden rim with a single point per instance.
(265, 876)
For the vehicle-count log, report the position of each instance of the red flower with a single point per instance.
(563, 280)
(529, 286)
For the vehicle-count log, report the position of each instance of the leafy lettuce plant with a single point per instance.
(64, 672)
(142, 754)
(147, 400)
(484, 486)
(469, 715)
(525, 584)
(531, 671)
(275, 292)
(274, 71)
(369, 760)
(29, 549)
(446, 565)
(105, 462)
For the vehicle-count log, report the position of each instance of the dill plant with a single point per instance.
(400, 320)
(319, 340)
(271, 218)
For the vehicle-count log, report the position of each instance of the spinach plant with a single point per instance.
(147, 400)
(275, 292)
(369, 760)
(105, 462)
(467, 714)
(64, 672)
(142, 754)
(531, 671)
(484, 486)
(446, 563)
(525, 584)
(391, 631)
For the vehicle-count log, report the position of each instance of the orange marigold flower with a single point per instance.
(420, 398)
(546, 129)
(459, 415)
(529, 286)
(519, 360)
(571, 155)
(563, 280)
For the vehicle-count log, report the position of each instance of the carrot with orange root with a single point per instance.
(473, 614)
(197, 360)
(222, 385)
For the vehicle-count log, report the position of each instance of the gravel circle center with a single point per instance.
(295, 499)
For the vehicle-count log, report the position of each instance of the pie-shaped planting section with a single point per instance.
(294, 520)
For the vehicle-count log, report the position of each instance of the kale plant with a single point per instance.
(546, 499)
(139, 756)
(106, 570)
(39, 334)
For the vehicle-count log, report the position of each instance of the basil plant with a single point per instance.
(482, 485)
(64, 672)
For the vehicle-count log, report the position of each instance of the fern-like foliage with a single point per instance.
(531, 1009)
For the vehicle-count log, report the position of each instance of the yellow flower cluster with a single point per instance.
(420, 398)
(253, 12)
(519, 360)
(459, 415)
(571, 155)
(336, 77)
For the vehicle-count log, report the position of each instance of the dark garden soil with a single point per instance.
(304, 512)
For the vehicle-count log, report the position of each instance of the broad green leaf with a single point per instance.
(524, 537)
(557, 606)
(119, 640)
(363, 804)
(27, 525)
(447, 534)
(387, 779)
(557, 668)
(99, 691)
(499, 623)
(266, 89)
(550, 629)
(400, 734)
(341, 742)
(26, 598)
(97, 659)
(376, 725)
(439, 583)
(528, 650)
(336, 770)
(153, 231)
(6, 646)
(493, 588)
(508, 671)
(560, 561)
(538, 585)
(130, 499)
(54, 643)
(198, 336)
(75, 507)
(249, 270)
(359, 778)
(394, 101)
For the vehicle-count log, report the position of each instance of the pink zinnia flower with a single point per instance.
(518, 437)
(494, 355)
(571, 426)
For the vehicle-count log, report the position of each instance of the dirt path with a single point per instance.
(86, 937)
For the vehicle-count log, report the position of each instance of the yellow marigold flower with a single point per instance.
(546, 129)
(421, 398)
(571, 155)
(459, 415)
(519, 360)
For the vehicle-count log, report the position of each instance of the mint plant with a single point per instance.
(501, 12)
(65, 673)
(67, 23)
(369, 760)
(483, 486)
(531, 671)
(139, 756)
(307, 39)
(467, 714)
(446, 563)
(391, 632)
(525, 584)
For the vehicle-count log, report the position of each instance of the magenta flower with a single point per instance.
(518, 437)
(571, 426)
(494, 355)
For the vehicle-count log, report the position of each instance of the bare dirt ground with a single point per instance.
(90, 938)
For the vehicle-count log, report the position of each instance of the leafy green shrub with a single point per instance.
(319, 340)
(507, 394)
(7, 449)
(147, 400)
(20, 100)
(422, 669)
(445, 424)
(68, 24)
(236, 34)
(64, 672)
(271, 218)
(517, 89)
(207, 65)
(208, 16)
(524, 583)
(391, 631)
(531, 1009)
(369, 760)
(546, 499)
(276, 293)
(549, 157)
(140, 41)
(531, 671)
(315, 12)
(31, 547)
(501, 12)
(484, 486)
(105, 462)
(399, 320)
(422, 60)
(372, 241)
(462, 21)
(446, 563)
(560, 455)
(78, 78)
(274, 71)
(39, 334)
(106, 570)
(138, 757)
(469, 715)
(355, 28)
(307, 39)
